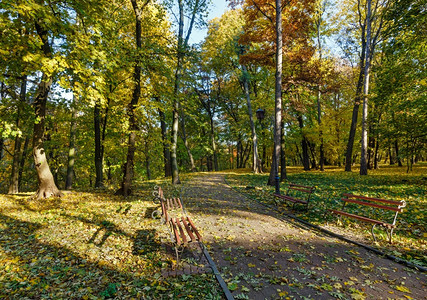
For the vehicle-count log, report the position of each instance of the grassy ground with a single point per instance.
(409, 239)
(89, 245)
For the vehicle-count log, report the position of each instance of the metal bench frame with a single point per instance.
(392, 205)
(308, 190)
(181, 228)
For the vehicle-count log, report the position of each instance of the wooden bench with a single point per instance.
(297, 193)
(181, 227)
(378, 205)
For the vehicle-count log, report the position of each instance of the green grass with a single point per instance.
(409, 238)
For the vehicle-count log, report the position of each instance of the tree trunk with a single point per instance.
(1, 148)
(147, 160)
(304, 146)
(47, 187)
(99, 181)
(133, 127)
(283, 175)
(364, 150)
(238, 149)
(187, 147)
(166, 152)
(14, 176)
(359, 86)
(256, 163)
(247, 152)
(22, 162)
(313, 155)
(390, 154)
(371, 147)
(319, 121)
(396, 149)
(318, 22)
(175, 114)
(71, 146)
(277, 98)
(376, 159)
(213, 144)
(182, 45)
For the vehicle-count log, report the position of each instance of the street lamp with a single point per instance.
(260, 114)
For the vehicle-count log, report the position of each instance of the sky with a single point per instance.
(217, 8)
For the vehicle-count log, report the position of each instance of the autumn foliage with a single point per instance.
(259, 36)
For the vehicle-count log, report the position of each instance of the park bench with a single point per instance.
(377, 210)
(297, 193)
(181, 228)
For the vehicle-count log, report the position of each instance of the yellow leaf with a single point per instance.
(356, 296)
(337, 286)
(283, 294)
(402, 288)
(353, 278)
(251, 265)
(408, 297)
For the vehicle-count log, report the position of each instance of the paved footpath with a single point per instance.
(263, 257)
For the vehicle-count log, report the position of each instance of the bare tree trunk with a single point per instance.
(14, 176)
(133, 127)
(318, 22)
(359, 86)
(22, 161)
(47, 187)
(182, 46)
(166, 152)
(304, 145)
(283, 174)
(396, 149)
(313, 155)
(175, 114)
(319, 121)
(147, 160)
(256, 163)
(367, 67)
(238, 152)
(187, 147)
(1, 148)
(99, 181)
(277, 98)
(376, 159)
(71, 146)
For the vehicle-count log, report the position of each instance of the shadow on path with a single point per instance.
(263, 257)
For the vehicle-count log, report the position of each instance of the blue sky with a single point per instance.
(217, 8)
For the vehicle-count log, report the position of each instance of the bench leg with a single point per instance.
(372, 231)
(156, 214)
(201, 251)
(390, 233)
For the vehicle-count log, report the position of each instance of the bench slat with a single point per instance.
(181, 231)
(362, 218)
(291, 199)
(175, 231)
(188, 229)
(301, 190)
(196, 232)
(302, 186)
(400, 203)
(373, 204)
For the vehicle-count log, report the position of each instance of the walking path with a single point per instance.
(264, 256)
